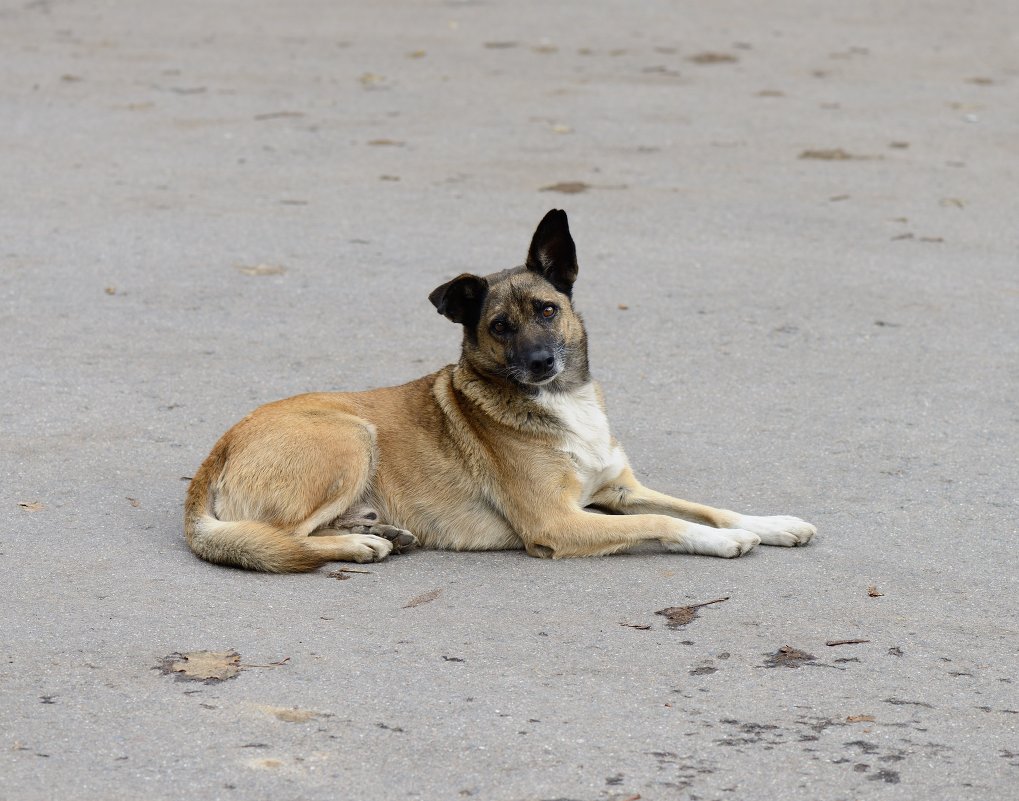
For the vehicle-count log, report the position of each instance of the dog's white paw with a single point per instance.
(725, 542)
(778, 530)
(369, 548)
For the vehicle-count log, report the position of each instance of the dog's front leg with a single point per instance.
(583, 533)
(626, 495)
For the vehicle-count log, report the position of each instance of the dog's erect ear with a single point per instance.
(552, 253)
(460, 299)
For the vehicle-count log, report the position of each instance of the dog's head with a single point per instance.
(519, 324)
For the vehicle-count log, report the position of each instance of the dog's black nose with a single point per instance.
(542, 361)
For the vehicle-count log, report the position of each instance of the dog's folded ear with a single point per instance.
(552, 253)
(460, 299)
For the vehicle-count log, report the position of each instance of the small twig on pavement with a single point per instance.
(707, 603)
(270, 665)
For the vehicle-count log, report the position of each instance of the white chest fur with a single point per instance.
(586, 438)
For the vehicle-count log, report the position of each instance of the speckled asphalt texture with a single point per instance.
(797, 234)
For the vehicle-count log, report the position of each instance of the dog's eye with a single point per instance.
(548, 312)
(499, 327)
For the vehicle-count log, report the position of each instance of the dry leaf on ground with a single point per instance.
(206, 666)
(32, 506)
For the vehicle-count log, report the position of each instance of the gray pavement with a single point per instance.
(206, 206)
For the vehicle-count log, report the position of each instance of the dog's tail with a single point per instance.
(249, 544)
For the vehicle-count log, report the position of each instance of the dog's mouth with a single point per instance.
(546, 378)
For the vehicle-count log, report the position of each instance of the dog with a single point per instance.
(509, 448)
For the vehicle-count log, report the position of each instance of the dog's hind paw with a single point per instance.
(401, 539)
(778, 530)
(364, 548)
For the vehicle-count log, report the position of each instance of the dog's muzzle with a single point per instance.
(541, 365)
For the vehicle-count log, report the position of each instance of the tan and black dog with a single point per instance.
(510, 448)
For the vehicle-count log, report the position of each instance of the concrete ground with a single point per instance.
(797, 234)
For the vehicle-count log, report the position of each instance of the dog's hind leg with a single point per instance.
(399, 539)
(337, 471)
(350, 547)
(364, 520)
(278, 477)
(342, 528)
